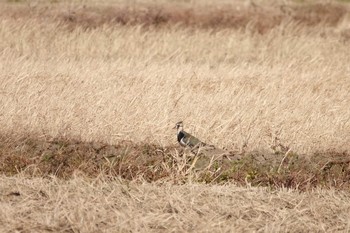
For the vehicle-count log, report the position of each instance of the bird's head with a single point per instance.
(179, 126)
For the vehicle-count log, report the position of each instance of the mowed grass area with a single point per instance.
(90, 91)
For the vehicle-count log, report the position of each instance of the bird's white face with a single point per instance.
(179, 126)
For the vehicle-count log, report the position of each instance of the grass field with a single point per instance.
(90, 92)
(102, 205)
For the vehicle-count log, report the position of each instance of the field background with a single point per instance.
(267, 76)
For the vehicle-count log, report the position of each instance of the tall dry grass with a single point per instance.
(233, 88)
(80, 205)
(74, 70)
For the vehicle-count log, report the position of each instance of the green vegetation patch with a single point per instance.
(64, 157)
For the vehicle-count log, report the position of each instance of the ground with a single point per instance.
(90, 92)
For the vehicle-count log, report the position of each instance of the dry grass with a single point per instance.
(201, 14)
(63, 158)
(233, 88)
(272, 77)
(100, 205)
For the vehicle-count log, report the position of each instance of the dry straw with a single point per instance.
(79, 205)
(265, 76)
(231, 87)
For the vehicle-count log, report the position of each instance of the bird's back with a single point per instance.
(186, 139)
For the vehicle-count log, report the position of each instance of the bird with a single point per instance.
(200, 148)
(185, 139)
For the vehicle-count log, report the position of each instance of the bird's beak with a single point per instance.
(174, 127)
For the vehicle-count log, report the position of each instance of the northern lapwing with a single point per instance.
(186, 139)
(200, 148)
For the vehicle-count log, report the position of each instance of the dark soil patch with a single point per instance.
(256, 18)
(63, 157)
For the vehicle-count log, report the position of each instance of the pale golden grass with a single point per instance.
(102, 205)
(231, 87)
